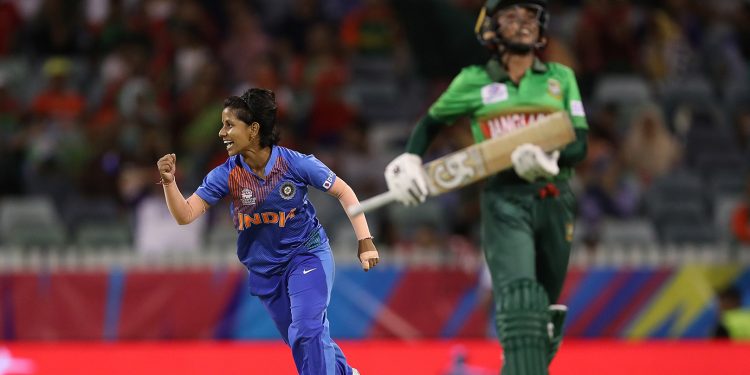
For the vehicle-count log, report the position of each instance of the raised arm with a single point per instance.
(184, 211)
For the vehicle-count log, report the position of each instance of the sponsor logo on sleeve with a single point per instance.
(576, 108)
(494, 92)
(329, 181)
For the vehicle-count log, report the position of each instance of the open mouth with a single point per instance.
(523, 32)
(228, 144)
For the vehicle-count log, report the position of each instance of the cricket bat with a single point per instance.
(481, 160)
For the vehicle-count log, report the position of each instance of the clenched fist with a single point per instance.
(167, 168)
(367, 254)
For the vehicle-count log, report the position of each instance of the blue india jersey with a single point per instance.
(273, 217)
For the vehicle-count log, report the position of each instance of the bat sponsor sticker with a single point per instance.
(456, 170)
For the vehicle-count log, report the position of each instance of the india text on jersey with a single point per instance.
(280, 218)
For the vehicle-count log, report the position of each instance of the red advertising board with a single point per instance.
(372, 357)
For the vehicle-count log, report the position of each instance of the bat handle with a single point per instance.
(370, 204)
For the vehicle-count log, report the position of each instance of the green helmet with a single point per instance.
(487, 27)
(494, 5)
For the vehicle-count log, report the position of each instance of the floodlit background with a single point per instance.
(94, 271)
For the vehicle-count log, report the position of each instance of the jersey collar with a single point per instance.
(272, 160)
(498, 73)
(269, 165)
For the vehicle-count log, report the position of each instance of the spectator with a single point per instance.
(370, 30)
(56, 150)
(59, 102)
(320, 77)
(608, 188)
(650, 150)
(667, 55)
(56, 30)
(602, 44)
(247, 45)
(201, 102)
(294, 28)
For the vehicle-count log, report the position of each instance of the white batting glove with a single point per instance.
(406, 178)
(531, 162)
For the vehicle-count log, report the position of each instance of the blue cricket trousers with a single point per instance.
(297, 301)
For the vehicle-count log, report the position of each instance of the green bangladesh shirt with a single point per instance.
(496, 105)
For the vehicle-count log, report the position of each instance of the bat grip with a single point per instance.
(370, 204)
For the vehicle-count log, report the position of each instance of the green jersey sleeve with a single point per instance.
(576, 151)
(461, 97)
(572, 99)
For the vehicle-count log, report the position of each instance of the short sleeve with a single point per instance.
(573, 103)
(314, 173)
(215, 185)
(459, 99)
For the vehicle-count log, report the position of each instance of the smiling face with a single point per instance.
(519, 24)
(236, 134)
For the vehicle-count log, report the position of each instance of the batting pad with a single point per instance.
(522, 318)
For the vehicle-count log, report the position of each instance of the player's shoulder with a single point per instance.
(476, 73)
(474, 70)
(470, 77)
(555, 68)
(290, 155)
(299, 163)
(294, 159)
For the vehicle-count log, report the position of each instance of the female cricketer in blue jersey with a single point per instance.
(280, 240)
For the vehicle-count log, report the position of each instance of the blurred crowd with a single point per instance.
(93, 92)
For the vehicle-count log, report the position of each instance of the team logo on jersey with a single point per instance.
(287, 190)
(247, 197)
(553, 88)
(494, 92)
